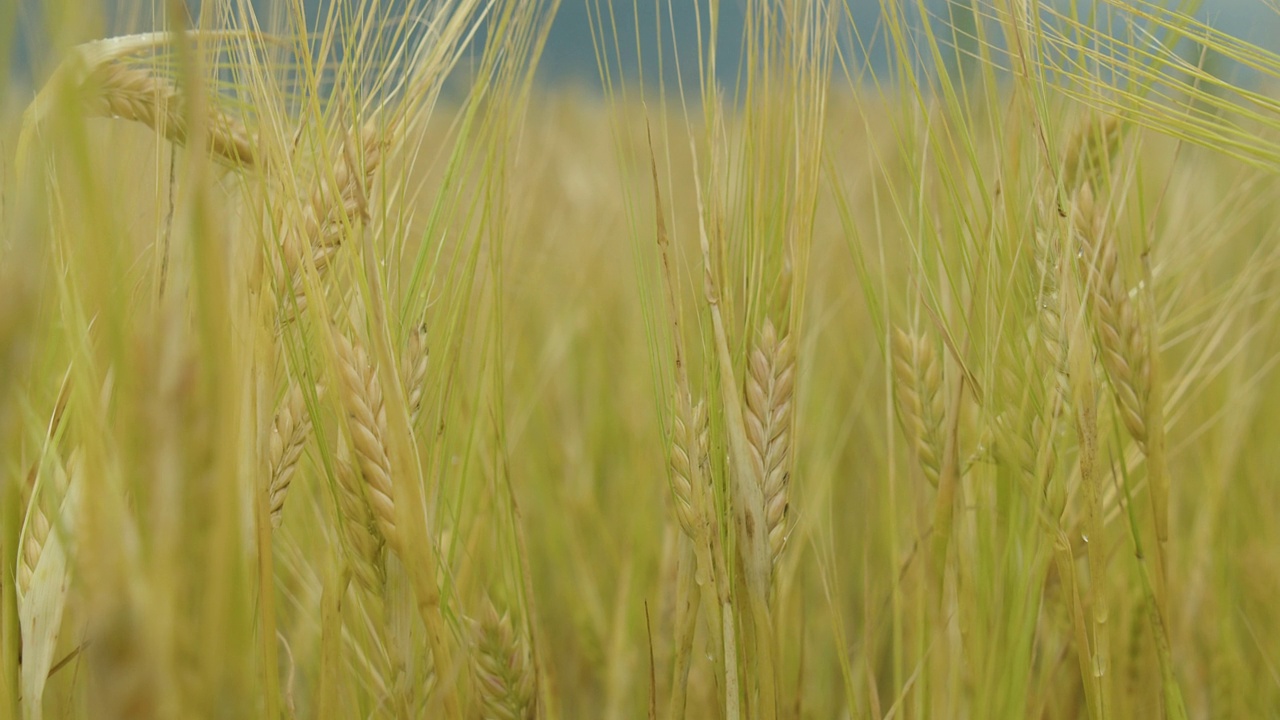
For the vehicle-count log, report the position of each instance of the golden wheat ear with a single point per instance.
(917, 375)
(289, 433)
(770, 392)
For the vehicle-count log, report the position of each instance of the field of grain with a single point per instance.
(347, 371)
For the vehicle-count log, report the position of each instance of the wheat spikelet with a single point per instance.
(414, 367)
(362, 398)
(289, 434)
(770, 384)
(1122, 344)
(132, 93)
(918, 388)
(504, 673)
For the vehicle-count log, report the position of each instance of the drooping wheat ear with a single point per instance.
(132, 93)
(770, 385)
(1089, 152)
(917, 377)
(289, 433)
(414, 368)
(361, 394)
(363, 541)
(504, 673)
(1122, 343)
(685, 465)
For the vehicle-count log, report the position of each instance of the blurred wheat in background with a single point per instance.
(805, 369)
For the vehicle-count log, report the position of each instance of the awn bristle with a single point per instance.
(132, 93)
(770, 385)
(504, 673)
(361, 394)
(289, 435)
(918, 383)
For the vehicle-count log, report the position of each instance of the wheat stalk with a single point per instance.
(504, 674)
(921, 406)
(769, 391)
(289, 433)
(361, 394)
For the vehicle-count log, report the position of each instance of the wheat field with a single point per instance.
(349, 369)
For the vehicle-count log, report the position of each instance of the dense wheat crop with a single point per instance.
(346, 371)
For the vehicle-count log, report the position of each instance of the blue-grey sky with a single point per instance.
(570, 55)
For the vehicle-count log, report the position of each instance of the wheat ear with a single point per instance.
(504, 674)
(132, 93)
(414, 370)
(362, 399)
(289, 433)
(917, 375)
(339, 201)
(1124, 346)
(770, 384)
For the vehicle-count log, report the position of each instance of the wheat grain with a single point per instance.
(770, 384)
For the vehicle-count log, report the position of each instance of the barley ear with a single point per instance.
(361, 394)
(917, 375)
(132, 93)
(504, 673)
(289, 433)
(770, 384)
(414, 370)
